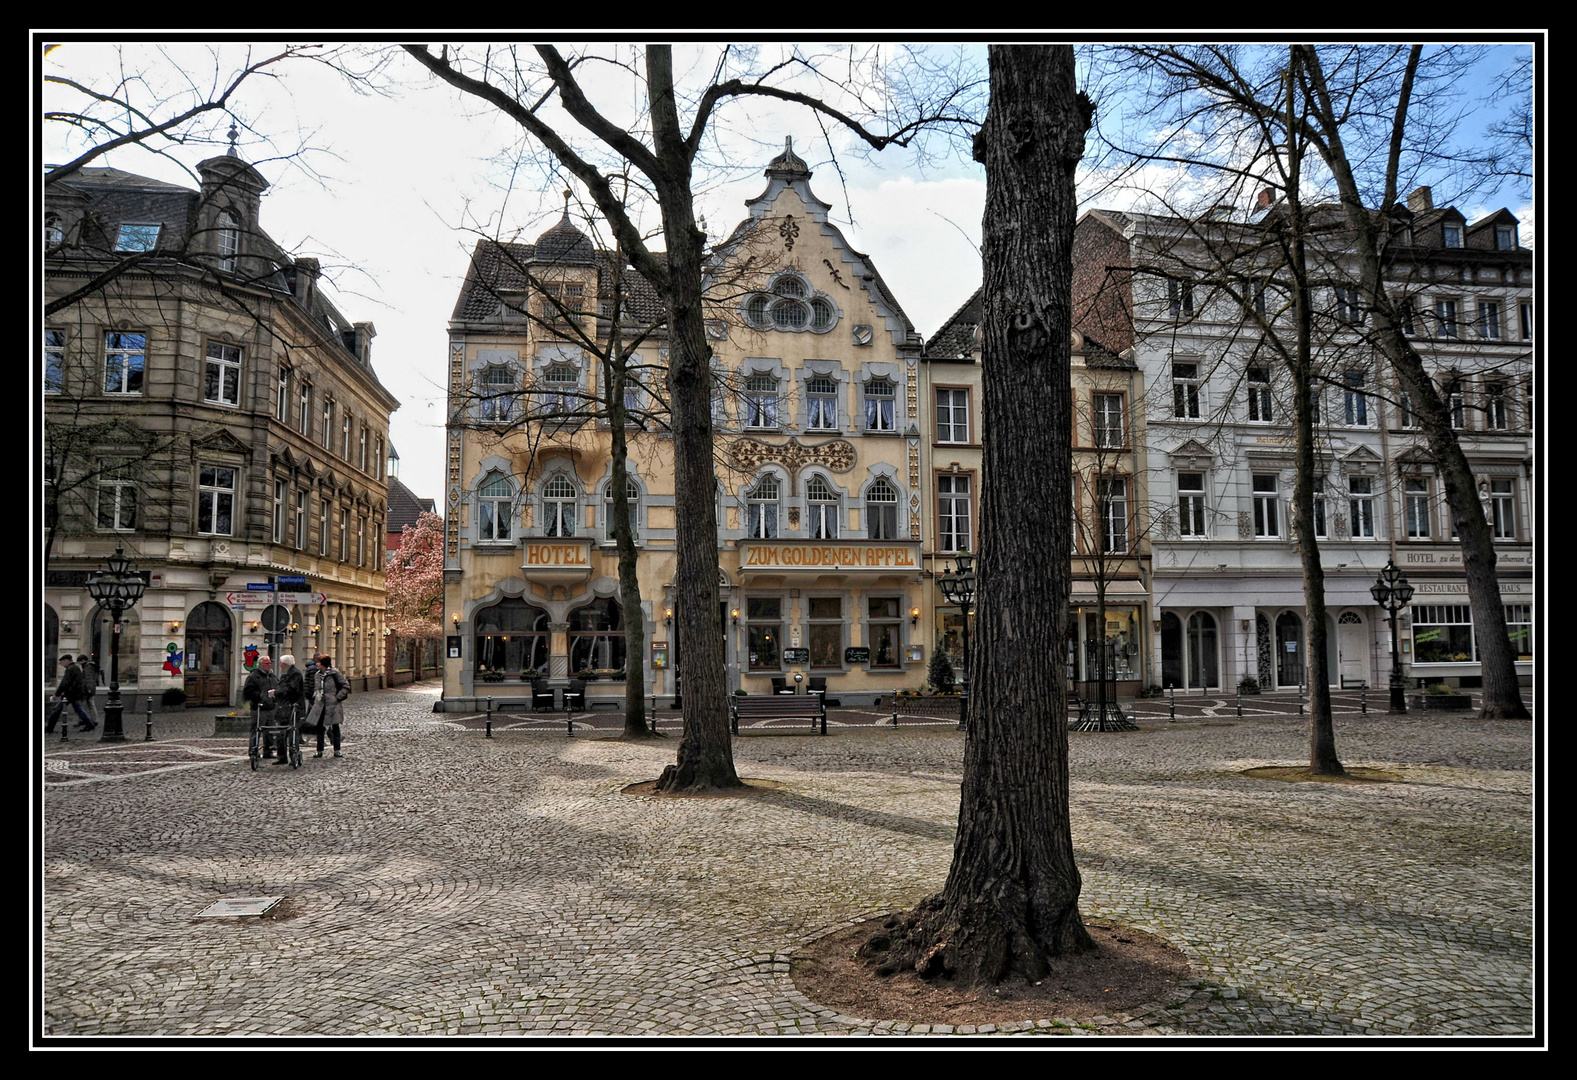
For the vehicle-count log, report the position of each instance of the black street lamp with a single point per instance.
(116, 588)
(1392, 592)
(959, 589)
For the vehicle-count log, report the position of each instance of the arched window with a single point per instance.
(495, 499)
(227, 242)
(881, 511)
(511, 639)
(762, 509)
(633, 494)
(821, 509)
(596, 637)
(558, 506)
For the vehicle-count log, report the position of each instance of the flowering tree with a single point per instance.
(415, 580)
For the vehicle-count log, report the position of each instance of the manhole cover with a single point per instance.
(234, 907)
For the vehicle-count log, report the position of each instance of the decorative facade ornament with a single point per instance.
(834, 454)
(833, 270)
(789, 231)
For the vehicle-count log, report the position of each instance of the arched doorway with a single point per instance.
(1172, 651)
(1289, 649)
(1352, 649)
(209, 633)
(1203, 657)
(596, 637)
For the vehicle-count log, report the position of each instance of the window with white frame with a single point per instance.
(1503, 508)
(1505, 237)
(344, 535)
(54, 360)
(1267, 505)
(1107, 412)
(222, 374)
(761, 509)
(133, 237)
(1519, 628)
(1180, 298)
(1406, 416)
(1321, 528)
(719, 400)
(880, 405)
(761, 401)
(1417, 506)
(1360, 507)
(361, 539)
(953, 512)
(881, 510)
(1456, 404)
(1453, 235)
(1525, 320)
(558, 506)
(304, 420)
(1348, 309)
(1355, 402)
(821, 509)
(561, 386)
(498, 394)
(560, 304)
(632, 494)
(328, 422)
(1261, 409)
(323, 527)
(215, 500)
(282, 397)
(361, 449)
(821, 403)
(1185, 390)
(495, 513)
(345, 426)
(227, 240)
(124, 358)
(1489, 320)
(117, 496)
(278, 532)
(952, 416)
(1496, 415)
(301, 520)
(1112, 496)
(54, 231)
(1442, 634)
(1191, 504)
(1446, 318)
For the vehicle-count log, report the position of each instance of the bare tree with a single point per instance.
(548, 97)
(1010, 905)
(1376, 118)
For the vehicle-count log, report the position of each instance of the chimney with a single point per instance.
(305, 284)
(364, 332)
(1420, 199)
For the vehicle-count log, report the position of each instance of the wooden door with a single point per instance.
(209, 636)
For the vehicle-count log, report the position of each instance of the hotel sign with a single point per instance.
(829, 557)
(1453, 557)
(552, 555)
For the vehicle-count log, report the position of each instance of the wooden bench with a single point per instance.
(809, 707)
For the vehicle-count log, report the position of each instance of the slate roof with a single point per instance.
(958, 335)
(404, 506)
(500, 268)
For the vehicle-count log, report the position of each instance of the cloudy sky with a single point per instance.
(394, 187)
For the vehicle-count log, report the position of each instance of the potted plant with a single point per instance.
(1439, 697)
(1248, 685)
(492, 676)
(940, 673)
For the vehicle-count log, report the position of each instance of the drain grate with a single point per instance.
(235, 907)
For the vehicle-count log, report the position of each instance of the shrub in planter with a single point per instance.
(1248, 685)
(173, 698)
(940, 673)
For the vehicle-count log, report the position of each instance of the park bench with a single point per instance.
(809, 707)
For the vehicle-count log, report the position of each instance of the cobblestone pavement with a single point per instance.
(441, 882)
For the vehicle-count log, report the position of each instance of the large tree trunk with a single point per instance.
(706, 751)
(614, 375)
(1010, 905)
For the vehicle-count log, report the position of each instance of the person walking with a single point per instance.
(90, 680)
(291, 695)
(258, 691)
(333, 689)
(71, 689)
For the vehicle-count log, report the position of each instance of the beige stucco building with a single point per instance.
(817, 409)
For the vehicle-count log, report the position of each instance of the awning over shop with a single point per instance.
(1128, 592)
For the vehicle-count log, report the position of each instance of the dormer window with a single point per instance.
(227, 242)
(1453, 236)
(54, 231)
(133, 237)
(1505, 237)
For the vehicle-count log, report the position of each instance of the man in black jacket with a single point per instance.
(257, 691)
(71, 690)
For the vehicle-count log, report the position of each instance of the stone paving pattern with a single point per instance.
(440, 882)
